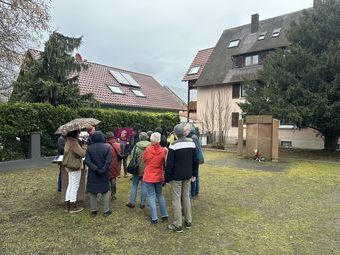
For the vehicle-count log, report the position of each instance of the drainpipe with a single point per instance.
(188, 102)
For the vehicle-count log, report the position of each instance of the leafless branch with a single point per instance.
(21, 25)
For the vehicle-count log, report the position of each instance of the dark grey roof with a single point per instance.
(218, 69)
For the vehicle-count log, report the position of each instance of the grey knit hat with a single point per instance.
(143, 136)
(179, 130)
(110, 135)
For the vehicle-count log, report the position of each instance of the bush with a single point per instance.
(18, 120)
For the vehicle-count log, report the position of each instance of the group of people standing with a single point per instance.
(160, 158)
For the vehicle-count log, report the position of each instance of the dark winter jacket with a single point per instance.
(125, 145)
(196, 140)
(98, 158)
(164, 142)
(182, 161)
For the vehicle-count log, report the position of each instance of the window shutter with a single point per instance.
(236, 90)
(235, 116)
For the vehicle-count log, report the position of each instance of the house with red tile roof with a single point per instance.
(191, 76)
(123, 89)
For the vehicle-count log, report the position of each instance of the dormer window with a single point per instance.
(276, 32)
(194, 70)
(234, 43)
(262, 36)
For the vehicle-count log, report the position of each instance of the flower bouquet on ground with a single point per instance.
(258, 156)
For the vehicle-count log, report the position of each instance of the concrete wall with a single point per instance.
(300, 138)
(306, 138)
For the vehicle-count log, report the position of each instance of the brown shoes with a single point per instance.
(67, 206)
(74, 208)
(130, 205)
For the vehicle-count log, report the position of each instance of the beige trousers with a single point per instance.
(180, 196)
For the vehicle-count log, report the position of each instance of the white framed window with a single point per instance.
(276, 32)
(138, 93)
(234, 43)
(116, 90)
(251, 60)
(286, 144)
(194, 70)
(262, 36)
(243, 90)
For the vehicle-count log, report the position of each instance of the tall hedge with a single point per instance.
(18, 120)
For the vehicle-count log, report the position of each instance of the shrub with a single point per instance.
(18, 120)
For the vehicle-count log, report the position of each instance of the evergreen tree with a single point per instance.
(53, 77)
(301, 84)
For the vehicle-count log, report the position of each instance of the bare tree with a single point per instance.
(226, 113)
(208, 116)
(21, 25)
(216, 116)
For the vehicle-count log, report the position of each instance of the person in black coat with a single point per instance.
(60, 147)
(98, 159)
(164, 141)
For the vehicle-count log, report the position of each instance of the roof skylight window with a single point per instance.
(116, 90)
(234, 43)
(194, 70)
(138, 93)
(276, 32)
(262, 36)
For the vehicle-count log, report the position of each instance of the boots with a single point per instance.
(74, 208)
(67, 206)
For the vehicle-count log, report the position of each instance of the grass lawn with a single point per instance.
(286, 208)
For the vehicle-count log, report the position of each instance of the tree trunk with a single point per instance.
(331, 142)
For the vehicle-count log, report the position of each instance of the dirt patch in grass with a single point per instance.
(239, 211)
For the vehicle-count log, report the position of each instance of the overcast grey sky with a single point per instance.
(157, 37)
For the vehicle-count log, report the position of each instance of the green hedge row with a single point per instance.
(20, 119)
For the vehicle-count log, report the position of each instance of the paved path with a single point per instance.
(249, 164)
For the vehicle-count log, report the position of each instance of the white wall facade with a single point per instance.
(306, 138)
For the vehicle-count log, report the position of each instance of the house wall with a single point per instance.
(306, 138)
(219, 98)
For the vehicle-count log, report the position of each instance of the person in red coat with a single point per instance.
(114, 170)
(154, 158)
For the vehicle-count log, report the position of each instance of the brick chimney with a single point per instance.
(255, 20)
(317, 3)
(79, 59)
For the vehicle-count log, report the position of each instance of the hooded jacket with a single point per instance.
(98, 158)
(138, 153)
(196, 140)
(114, 169)
(154, 159)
